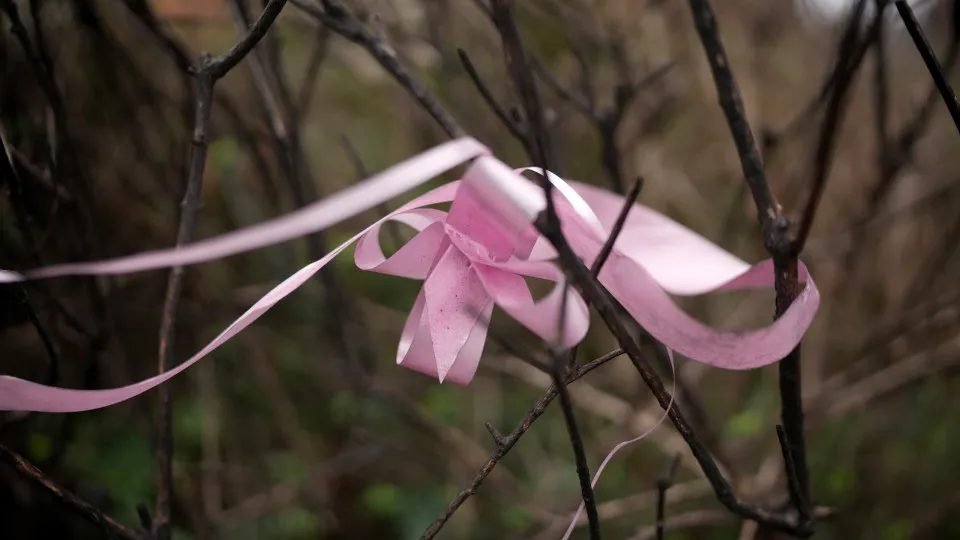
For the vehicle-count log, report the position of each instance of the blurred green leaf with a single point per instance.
(225, 153)
(39, 446)
(343, 408)
(443, 403)
(841, 482)
(898, 530)
(746, 423)
(293, 522)
(516, 518)
(284, 466)
(188, 424)
(383, 500)
(116, 458)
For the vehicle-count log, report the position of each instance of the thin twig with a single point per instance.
(686, 520)
(338, 18)
(773, 228)
(930, 59)
(604, 306)
(363, 172)
(504, 443)
(796, 492)
(356, 355)
(53, 373)
(524, 85)
(882, 92)
(663, 483)
(111, 526)
(832, 119)
(206, 75)
(558, 366)
(491, 102)
(310, 77)
(617, 228)
(538, 138)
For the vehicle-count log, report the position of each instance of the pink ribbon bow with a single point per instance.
(472, 258)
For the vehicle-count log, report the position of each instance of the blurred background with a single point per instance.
(303, 427)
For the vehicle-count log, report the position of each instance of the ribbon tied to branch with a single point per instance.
(474, 257)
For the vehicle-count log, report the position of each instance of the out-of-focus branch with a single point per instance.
(340, 314)
(930, 59)
(205, 75)
(111, 526)
(663, 483)
(834, 115)
(338, 18)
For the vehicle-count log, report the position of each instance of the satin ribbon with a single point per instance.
(471, 258)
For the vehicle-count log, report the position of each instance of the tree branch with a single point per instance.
(930, 59)
(93, 514)
(205, 75)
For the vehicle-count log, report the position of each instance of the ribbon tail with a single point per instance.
(620, 446)
(318, 216)
(20, 395)
(650, 305)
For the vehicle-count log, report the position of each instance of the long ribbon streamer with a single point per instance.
(471, 258)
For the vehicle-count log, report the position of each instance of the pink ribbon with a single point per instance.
(471, 258)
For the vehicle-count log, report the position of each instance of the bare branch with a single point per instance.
(206, 75)
(930, 59)
(87, 510)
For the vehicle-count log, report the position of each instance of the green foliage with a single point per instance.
(383, 500)
(39, 446)
(443, 403)
(291, 522)
(897, 530)
(115, 458)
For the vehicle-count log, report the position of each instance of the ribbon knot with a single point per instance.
(471, 259)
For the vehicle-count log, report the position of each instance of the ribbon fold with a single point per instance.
(473, 258)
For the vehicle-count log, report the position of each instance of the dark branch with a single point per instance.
(539, 138)
(526, 87)
(93, 514)
(491, 102)
(772, 225)
(930, 59)
(617, 228)
(504, 443)
(797, 498)
(663, 483)
(206, 75)
(338, 18)
(832, 119)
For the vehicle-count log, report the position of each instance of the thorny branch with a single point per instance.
(205, 75)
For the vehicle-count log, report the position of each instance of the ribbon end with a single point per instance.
(6, 276)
